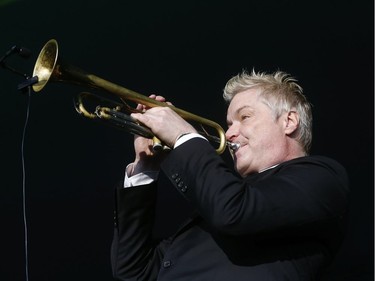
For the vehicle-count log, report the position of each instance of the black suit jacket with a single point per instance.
(285, 223)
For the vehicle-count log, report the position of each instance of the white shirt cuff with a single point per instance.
(146, 177)
(187, 137)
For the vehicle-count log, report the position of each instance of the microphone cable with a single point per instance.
(24, 184)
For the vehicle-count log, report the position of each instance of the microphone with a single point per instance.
(21, 51)
(24, 53)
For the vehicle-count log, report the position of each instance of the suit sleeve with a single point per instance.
(134, 253)
(297, 194)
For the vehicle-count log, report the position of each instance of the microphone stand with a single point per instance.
(25, 85)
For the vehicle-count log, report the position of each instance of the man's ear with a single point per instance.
(291, 122)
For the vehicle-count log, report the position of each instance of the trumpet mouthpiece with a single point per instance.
(233, 146)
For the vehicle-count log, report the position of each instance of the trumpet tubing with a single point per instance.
(49, 67)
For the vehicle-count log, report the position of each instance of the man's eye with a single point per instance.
(244, 117)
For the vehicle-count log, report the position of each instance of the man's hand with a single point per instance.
(165, 123)
(146, 159)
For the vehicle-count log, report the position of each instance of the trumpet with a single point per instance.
(49, 67)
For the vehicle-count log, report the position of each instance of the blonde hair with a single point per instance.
(281, 93)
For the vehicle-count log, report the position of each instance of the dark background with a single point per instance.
(185, 51)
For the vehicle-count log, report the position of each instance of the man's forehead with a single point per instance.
(246, 97)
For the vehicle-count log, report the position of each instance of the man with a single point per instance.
(280, 218)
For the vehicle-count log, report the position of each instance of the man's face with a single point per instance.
(262, 138)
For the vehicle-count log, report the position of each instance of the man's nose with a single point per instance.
(231, 133)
